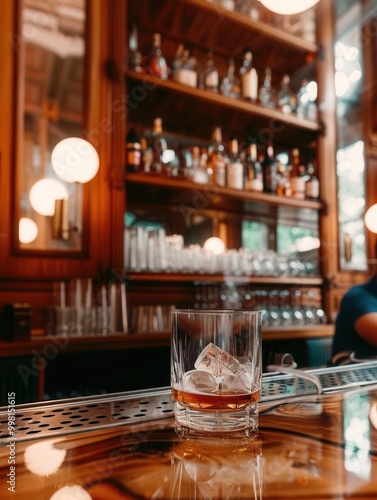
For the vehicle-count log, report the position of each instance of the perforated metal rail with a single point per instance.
(50, 419)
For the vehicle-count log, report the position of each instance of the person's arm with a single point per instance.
(366, 327)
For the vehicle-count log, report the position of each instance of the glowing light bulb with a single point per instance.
(371, 218)
(288, 7)
(43, 458)
(43, 194)
(75, 160)
(214, 245)
(74, 492)
(27, 230)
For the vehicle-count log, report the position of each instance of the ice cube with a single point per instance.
(237, 383)
(199, 381)
(214, 360)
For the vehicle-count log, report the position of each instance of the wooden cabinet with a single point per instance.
(188, 115)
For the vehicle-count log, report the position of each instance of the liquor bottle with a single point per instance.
(146, 155)
(234, 167)
(211, 74)
(155, 64)
(297, 176)
(230, 85)
(285, 97)
(199, 166)
(266, 97)
(302, 100)
(253, 168)
(133, 151)
(216, 158)
(185, 68)
(269, 171)
(135, 57)
(312, 183)
(249, 77)
(159, 145)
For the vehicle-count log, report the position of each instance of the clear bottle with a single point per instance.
(285, 97)
(230, 85)
(216, 158)
(303, 100)
(297, 176)
(135, 57)
(253, 168)
(211, 74)
(199, 166)
(234, 167)
(266, 97)
(159, 145)
(312, 183)
(155, 63)
(249, 77)
(269, 171)
(185, 69)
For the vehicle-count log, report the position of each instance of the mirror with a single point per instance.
(349, 88)
(51, 60)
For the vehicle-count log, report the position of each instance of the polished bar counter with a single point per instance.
(317, 440)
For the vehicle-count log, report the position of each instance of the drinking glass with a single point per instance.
(216, 370)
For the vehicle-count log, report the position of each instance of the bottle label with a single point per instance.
(187, 77)
(212, 79)
(219, 174)
(250, 85)
(133, 160)
(235, 176)
(298, 187)
(312, 188)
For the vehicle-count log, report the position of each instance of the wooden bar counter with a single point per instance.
(123, 446)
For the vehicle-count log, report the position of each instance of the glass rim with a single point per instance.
(217, 312)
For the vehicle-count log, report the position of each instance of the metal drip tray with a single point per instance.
(50, 419)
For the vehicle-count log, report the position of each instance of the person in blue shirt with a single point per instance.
(356, 322)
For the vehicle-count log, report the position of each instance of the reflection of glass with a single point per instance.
(216, 469)
(357, 435)
(52, 57)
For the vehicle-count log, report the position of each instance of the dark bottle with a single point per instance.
(155, 64)
(133, 151)
(269, 171)
(159, 146)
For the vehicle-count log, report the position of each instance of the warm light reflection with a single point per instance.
(43, 458)
(288, 7)
(74, 492)
(373, 415)
(75, 160)
(307, 243)
(27, 230)
(43, 194)
(371, 218)
(214, 245)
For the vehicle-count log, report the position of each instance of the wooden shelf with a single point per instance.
(216, 278)
(246, 23)
(186, 185)
(274, 116)
(40, 344)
